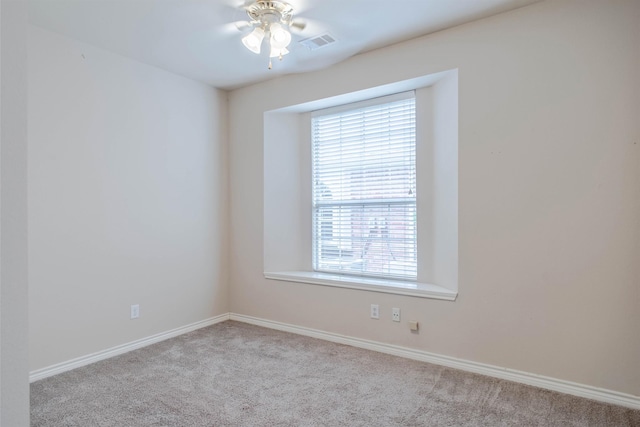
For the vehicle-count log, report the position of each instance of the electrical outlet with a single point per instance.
(135, 311)
(375, 311)
(395, 314)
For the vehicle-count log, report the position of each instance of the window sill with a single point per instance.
(414, 289)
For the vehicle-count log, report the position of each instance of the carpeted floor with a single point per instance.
(234, 374)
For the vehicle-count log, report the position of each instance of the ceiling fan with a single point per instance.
(272, 22)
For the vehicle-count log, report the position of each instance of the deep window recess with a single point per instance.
(364, 189)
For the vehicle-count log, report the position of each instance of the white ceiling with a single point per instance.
(198, 38)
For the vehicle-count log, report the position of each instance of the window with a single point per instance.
(364, 189)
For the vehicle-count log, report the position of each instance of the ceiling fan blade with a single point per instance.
(238, 4)
(302, 6)
(298, 25)
(242, 25)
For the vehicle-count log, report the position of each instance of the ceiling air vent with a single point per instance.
(317, 42)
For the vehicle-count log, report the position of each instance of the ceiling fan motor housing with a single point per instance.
(270, 11)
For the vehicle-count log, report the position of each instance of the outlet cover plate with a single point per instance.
(375, 311)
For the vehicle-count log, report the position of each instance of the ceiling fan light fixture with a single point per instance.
(280, 37)
(253, 40)
(272, 18)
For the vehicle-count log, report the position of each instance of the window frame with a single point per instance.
(356, 116)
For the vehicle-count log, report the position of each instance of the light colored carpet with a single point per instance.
(234, 374)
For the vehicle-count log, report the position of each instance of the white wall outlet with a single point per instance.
(375, 311)
(135, 311)
(395, 314)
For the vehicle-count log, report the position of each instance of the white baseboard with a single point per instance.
(120, 349)
(562, 386)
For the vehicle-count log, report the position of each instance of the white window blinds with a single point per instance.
(364, 195)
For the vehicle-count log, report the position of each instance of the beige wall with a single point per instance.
(127, 200)
(549, 169)
(14, 369)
